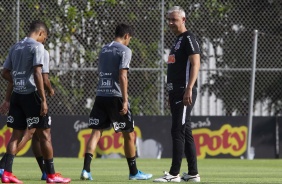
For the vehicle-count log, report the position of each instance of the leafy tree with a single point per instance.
(78, 29)
(7, 35)
(236, 43)
(228, 27)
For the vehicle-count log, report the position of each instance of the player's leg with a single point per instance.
(98, 120)
(47, 153)
(130, 151)
(11, 148)
(90, 149)
(36, 149)
(190, 148)
(125, 124)
(130, 154)
(15, 120)
(2, 164)
(27, 136)
(43, 130)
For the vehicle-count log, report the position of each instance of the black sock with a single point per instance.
(9, 162)
(49, 165)
(132, 165)
(2, 161)
(40, 162)
(87, 161)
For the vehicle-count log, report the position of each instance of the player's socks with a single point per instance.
(9, 162)
(2, 161)
(132, 165)
(49, 164)
(87, 161)
(40, 162)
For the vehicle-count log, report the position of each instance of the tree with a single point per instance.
(78, 29)
(228, 26)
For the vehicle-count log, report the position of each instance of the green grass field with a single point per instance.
(116, 171)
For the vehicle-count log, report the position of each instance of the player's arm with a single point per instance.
(45, 74)
(123, 87)
(47, 84)
(195, 67)
(6, 74)
(4, 108)
(38, 79)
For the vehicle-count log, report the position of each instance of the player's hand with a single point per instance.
(44, 108)
(124, 109)
(187, 98)
(4, 108)
(168, 103)
(51, 92)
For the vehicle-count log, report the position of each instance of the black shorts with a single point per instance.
(105, 113)
(24, 112)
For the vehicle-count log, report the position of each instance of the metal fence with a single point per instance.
(78, 29)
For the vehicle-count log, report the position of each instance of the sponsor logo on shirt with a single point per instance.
(18, 47)
(15, 73)
(101, 74)
(104, 50)
(19, 82)
(106, 83)
(171, 59)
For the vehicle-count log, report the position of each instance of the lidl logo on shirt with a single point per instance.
(106, 83)
(19, 82)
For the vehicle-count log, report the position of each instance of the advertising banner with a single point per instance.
(215, 137)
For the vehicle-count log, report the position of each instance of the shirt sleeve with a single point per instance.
(8, 62)
(126, 58)
(192, 45)
(38, 58)
(45, 67)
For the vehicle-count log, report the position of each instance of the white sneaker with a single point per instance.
(191, 178)
(168, 178)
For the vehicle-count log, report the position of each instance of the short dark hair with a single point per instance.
(123, 29)
(37, 25)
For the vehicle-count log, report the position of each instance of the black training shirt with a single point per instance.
(178, 69)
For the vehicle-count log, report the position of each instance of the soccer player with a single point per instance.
(111, 106)
(4, 108)
(28, 106)
(182, 71)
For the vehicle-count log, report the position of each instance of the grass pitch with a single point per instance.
(116, 171)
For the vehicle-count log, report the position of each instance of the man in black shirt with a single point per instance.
(182, 71)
